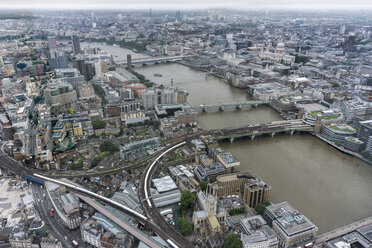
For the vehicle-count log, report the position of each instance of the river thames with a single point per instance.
(329, 187)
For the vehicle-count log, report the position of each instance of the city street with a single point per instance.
(54, 224)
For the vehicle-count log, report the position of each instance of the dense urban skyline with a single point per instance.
(178, 127)
(188, 4)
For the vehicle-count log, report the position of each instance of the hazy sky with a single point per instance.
(189, 4)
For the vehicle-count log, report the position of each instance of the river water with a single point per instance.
(329, 187)
(120, 54)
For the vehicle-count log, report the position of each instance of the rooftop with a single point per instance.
(289, 220)
(164, 184)
(354, 139)
(343, 128)
(228, 159)
(350, 240)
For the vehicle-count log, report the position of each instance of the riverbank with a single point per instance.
(301, 169)
(342, 149)
(282, 114)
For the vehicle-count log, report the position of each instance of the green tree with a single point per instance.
(185, 226)
(91, 100)
(203, 185)
(38, 99)
(260, 208)
(108, 146)
(236, 211)
(71, 111)
(187, 200)
(301, 59)
(98, 158)
(98, 124)
(232, 240)
(99, 91)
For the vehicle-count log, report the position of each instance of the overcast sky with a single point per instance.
(185, 4)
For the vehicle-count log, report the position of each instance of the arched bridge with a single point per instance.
(251, 131)
(155, 60)
(228, 106)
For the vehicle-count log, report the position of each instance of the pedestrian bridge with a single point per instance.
(287, 126)
(244, 105)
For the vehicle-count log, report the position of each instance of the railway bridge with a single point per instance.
(287, 126)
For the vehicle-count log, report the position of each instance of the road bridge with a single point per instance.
(155, 60)
(243, 105)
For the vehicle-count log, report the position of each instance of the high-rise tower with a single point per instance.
(76, 44)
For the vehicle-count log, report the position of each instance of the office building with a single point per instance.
(352, 109)
(363, 127)
(369, 144)
(50, 242)
(353, 144)
(126, 94)
(75, 44)
(337, 132)
(66, 205)
(52, 43)
(360, 237)
(124, 76)
(257, 234)
(187, 116)
(84, 90)
(80, 65)
(210, 173)
(57, 59)
(89, 71)
(252, 189)
(293, 228)
(90, 232)
(230, 163)
(130, 106)
(98, 68)
(59, 94)
(349, 44)
(129, 62)
(152, 97)
(66, 72)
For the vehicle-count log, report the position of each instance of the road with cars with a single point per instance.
(43, 205)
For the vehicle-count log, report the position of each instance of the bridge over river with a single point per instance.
(243, 105)
(155, 60)
(288, 126)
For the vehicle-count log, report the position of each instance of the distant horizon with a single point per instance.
(188, 5)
